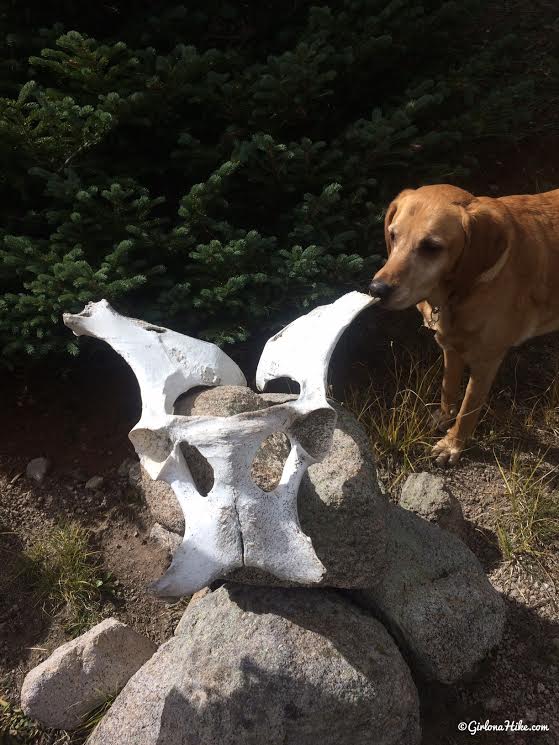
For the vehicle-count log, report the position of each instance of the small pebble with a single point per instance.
(37, 469)
(94, 483)
(125, 467)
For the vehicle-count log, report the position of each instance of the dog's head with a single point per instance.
(436, 235)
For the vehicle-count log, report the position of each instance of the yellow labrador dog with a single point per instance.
(484, 273)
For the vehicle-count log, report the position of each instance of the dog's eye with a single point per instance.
(430, 246)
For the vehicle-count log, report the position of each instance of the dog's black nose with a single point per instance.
(379, 289)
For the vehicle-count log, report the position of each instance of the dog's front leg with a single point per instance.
(450, 393)
(482, 375)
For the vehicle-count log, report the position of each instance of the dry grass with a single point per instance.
(540, 414)
(527, 525)
(551, 406)
(508, 420)
(92, 719)
(396, 415)
(17, 729)
(504, 426)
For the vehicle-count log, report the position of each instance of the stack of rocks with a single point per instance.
(255, 661)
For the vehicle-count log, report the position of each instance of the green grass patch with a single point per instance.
(15, 727)
(66, 576)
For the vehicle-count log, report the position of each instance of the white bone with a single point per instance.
(167, 365)
(302, 350)
(237, 523)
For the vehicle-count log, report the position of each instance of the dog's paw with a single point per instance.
(442, 420)
(447, 451)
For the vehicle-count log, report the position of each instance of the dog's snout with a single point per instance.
(380, 289)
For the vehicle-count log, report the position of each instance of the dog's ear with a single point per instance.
(485, 244)
(389, 216)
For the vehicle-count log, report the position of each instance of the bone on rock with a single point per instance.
(236, 523)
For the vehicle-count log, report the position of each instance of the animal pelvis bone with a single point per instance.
(236, 523)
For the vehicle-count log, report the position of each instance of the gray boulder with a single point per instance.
(160, 499)
(95, 483)
(341, 506)
(83, 673)
(269, 666)
(435, 598)
(427, 495)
